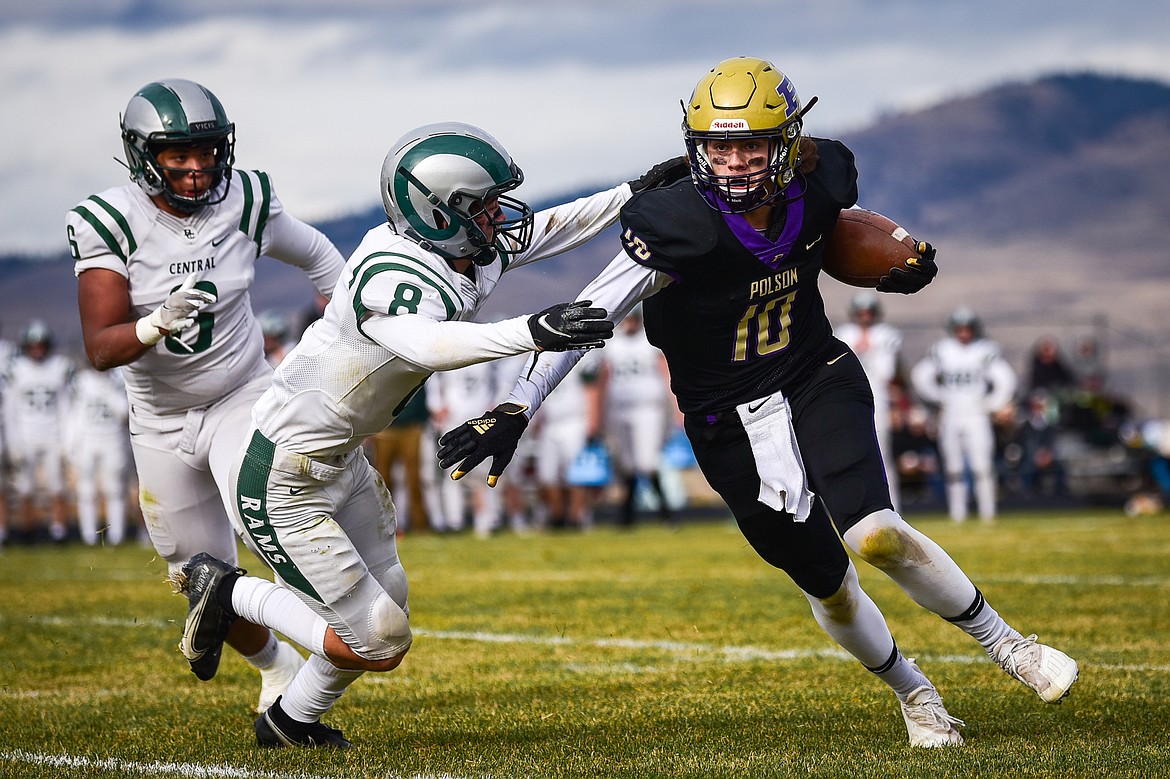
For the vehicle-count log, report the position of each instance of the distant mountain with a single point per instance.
(1079, 156)
(1048, 201)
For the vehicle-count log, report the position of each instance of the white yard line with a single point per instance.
(693, 650)
(62, 763)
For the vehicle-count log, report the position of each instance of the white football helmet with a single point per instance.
(865, 302)
(964, 316)
(171, 113)
(435, 180)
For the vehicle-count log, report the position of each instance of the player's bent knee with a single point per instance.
(884, 541)
(389, 628)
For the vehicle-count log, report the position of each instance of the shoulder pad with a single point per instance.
(661, 227)
(836, 172)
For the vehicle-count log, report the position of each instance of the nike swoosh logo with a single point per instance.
(808, 246)
(757, 407)
(295, 490)
(217, 243)
(838, 357)
(188, 643)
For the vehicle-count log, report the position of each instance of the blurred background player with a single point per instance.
(7, 351)
(36, 401)
(274, 327)
(99, 446)
(561, 429)
(164, 267)
(966, 377)
(453, 396)
(878, 346)
(637, 410)
(397, 456)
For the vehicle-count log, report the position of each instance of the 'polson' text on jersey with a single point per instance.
(769, 285)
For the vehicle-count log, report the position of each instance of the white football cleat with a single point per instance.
(275, 680)
(1048, 671)
(928, 722)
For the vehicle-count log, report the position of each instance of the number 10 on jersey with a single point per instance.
(769, 322)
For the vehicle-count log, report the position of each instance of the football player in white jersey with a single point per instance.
(164, 267)
(637, 410)
(878, 345)
(967, 378)
(306, 499)
(36, 401)
(98, 447)
(560, 433)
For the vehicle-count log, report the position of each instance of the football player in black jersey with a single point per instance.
(778, 410)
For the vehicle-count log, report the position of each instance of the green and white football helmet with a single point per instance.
(171, 113)
(436, 179)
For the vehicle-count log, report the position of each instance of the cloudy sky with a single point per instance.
(582, 93)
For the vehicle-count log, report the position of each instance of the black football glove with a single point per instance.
(495, 434)
(568, 326)
(921, 272)
(662, 174)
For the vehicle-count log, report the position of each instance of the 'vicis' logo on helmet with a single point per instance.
(730, 124)
(200, 127)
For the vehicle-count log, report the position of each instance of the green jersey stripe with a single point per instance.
(437, 278)
(360, 310)
(102, 232)
(246, 216)
(131, 244)
(265, 207)
(252, 503)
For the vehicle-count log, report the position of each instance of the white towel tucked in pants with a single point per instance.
(783, 483)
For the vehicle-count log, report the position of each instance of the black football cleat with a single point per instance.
(274, 728)
(207, 622)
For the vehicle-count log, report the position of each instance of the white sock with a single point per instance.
(853, 620)
(266, 656)
(957, 498)
(985, 495)
(315, 689)
(115, 520)
(927, 574)
(917, 564)
(984, 624)
(903, 676)
(87, 517)
(268, 604)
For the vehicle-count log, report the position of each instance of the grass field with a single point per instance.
(635, 654)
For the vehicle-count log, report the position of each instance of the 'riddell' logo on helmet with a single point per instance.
(730, 124)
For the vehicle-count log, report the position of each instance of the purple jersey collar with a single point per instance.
(768, 252)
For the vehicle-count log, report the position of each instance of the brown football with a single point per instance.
(864, 246)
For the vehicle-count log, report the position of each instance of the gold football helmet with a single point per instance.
(744, 97)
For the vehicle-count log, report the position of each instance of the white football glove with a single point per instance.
(176, 314)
